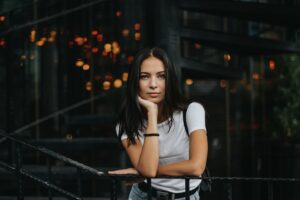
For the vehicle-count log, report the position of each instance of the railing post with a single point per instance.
(79, 180)
(18, 171)
(187, 188)
(49, 177)
(270, 190)
(149, 188)
(113, 195)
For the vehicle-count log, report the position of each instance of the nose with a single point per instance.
(153, 83)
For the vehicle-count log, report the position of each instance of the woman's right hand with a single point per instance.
(150, 106)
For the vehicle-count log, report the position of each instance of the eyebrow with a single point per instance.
(157, 72)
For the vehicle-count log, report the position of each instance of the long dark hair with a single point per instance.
(131, 116)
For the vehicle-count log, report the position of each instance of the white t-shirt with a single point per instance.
(174, 145)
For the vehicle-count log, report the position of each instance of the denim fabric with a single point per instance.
(137, 194)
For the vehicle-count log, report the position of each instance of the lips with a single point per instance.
(153, 94)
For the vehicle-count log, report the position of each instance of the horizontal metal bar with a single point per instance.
(40, 181)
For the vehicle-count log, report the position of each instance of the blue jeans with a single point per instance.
(137, 194)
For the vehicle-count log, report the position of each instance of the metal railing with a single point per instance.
(19, 172)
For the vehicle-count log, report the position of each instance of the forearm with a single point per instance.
(148, 161)
(181, 168)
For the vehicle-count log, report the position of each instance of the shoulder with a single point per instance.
(195, 106)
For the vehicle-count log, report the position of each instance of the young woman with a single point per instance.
(151, 129)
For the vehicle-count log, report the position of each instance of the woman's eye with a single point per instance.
(162, 76)
(143, 76)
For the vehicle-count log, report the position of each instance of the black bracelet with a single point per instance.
(150, 134)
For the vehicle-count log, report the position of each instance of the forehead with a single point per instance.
(152, 64)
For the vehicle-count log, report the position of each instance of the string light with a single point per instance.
(86, 67)
(118, 13)
(272, 64)
(125, 76)
(95, 49)
(106, 85)
(107, 47)
(79, 63)
(227, 57)
(88, 86)
(255, 76)
(32, 35)
(125, 32)
(137, 26)
(94, 32)
(189, 81)
(117, 83)
(99, 37)
(137, 36)
(197, 45)
(2, 18)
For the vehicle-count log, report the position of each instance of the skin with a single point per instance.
(145, 158)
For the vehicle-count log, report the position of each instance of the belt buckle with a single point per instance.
(162, 195)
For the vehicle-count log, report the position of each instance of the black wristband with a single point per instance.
(151, 134)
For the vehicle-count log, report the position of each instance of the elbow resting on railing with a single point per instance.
(148, 172)
(197, 169)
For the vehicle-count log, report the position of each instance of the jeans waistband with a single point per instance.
(161, 194)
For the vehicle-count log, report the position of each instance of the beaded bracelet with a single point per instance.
(151, 134)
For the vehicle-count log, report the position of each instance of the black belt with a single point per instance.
(160, 194)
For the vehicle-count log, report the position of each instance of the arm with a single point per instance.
(145, 157)
(196, 163)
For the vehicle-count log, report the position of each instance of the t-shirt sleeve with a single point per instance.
(124, 135)
(195, 117)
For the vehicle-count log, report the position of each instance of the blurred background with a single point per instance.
(64, 63)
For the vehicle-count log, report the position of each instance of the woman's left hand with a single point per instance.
(128, 171)
(124, 171)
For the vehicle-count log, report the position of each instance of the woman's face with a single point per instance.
(152, 80)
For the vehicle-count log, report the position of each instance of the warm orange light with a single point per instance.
(272, 64)
(51, 39)
(88, 86)
(86, 67)
(130, 59)
(53, 34)
(106, 85)
(137, 36)
(115, 48)
(223, 83)
(107, 47)
(255, 76)
(85, 39)
(137, 26)
(2, 18)
(94, 32)
(40, 43)
(79, 40)
(125, 32)
(95, 49)
(227, 57)
(117, 83)
(79, 63)
(99, 37)
(197, 45)
(189, 81)
(125, 76)
(118, 13)
(32, 35)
